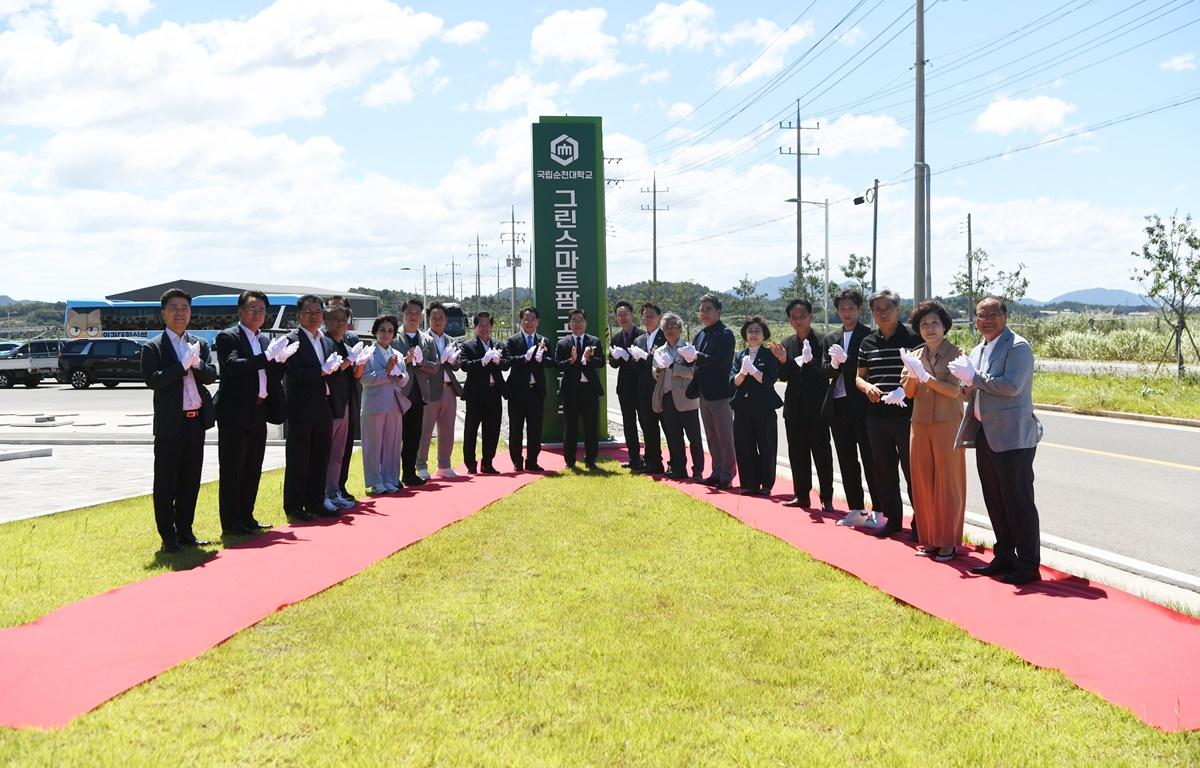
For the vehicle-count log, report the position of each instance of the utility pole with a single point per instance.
(654, 209)
(874, 234)
(921, 175)
(799, 153)
(970, 274)
(825, 287)
(513, 260)
(453, 295)
(437, 287)
(478, 277)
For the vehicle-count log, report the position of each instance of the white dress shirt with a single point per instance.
(256, 348)
(578, 342)
(984, 355)
(191, 395)
(839, 384)
(440, 343)
(316, 345)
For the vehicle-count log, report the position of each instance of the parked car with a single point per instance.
(7, 347)
(30, 362)
(108, 361)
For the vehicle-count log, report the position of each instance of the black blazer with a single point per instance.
(804, 396)
(237, 392)
(848, 371)
(627, 371)
(519, 369)
(714, 361)
(481, 379)
(162, 372)
(571, 371)
(344, 395)
(645, 368)
(306, 398)
(753, 397)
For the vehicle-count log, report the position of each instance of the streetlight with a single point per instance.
(825, 287)
(424, 288)
(872, 196)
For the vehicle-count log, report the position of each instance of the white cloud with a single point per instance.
(760, 33)
(858, 133)
(398, 87)
(1180, 63)
(466, 33)
(69, 14)
(573, 36)
(657, 76)
(679, 109)
(851, 36)
(686, 25)
(604, 70)
(1038, 113)
(515, 90)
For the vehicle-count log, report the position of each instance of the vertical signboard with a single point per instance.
(568, 237)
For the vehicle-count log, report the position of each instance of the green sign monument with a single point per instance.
(568, 238)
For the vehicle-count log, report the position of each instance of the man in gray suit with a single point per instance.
(440, 390)
(1000, 425)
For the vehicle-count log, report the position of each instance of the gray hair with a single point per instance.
(884, 293)
(672, 318)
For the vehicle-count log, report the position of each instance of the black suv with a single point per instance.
(108, 361)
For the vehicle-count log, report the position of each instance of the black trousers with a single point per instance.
(851, 442)
(808, 443)
(485, 411)
(411, 435)
(889, 454)
(307, 456)
(178, 460)
(629, 423)
(240, 450)
(1006, 478)
(755, 444)
(675, 425)
(525, 417)
(652, 455)
(581, 403)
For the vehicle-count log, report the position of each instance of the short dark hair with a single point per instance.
(797, 303)
(174, 293)
(884, 293)
(481, 316)
(395, 321)
(248, 296)
(927, 307)
(848, 294)
(306, 298)
(762, 322)
(651, 305)
(711, 298)
(404, 307)
(623, 303)
(576, 311)
(337, 298)
(989, 297)
(532, 309)
(435, 305)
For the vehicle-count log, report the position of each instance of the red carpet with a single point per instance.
(1131, 652)
(76, 658)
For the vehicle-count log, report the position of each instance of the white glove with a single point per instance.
(638, 353)
(275, 348)
(355, 353)
(192, 358)
(747, 365)
(453, 358)
(491, 356)
(418, 355)
(963, 370)
(914, 366)
(688, 353)
(540, 352)
(398, 368)
(332, 363)
(529, 353)
(445, 356)
(620, 353)
(662, 358)
(837, 356)
(288, 351)
(895, 397)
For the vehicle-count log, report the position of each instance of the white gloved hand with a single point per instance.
(747, 365)
(355, 353)
(541, 351)
(275, 348)
(619, 353)
(914, 366)
(398, 368)
(453, 355)
(895, 397)
(445, 356)
(638, 353)
(963, 370)
(191, 358)
(529, 353)
(332, 363)
(495, 353)
(288, 351)
(418, 355)
(837, 356)
(688, 353)
(662, 358)
(806, 354)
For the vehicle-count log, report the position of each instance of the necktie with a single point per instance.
(528, 341)
(579, 345)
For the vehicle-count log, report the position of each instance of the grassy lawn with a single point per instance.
(1159, 396)
(552, 629)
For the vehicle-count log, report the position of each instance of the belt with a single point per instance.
(190, 414)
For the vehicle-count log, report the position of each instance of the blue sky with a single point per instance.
(332, 144)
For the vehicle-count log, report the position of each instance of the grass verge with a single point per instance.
(1157, 396)
(603, 621)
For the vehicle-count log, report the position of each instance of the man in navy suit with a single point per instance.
(484, 361)
(527, 361)
(627, 380)
(715, 346)
(653, 337)
(176, 366)
(581, 361)
(310, 420)
(249, 395)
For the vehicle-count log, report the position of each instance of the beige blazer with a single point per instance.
(930, 406)
(674, 379)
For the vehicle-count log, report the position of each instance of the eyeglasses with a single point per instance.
(988, 315)
(311, 312)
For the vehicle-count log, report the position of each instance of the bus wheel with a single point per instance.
(80, 380)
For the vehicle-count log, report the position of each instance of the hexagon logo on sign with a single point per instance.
(564, 150)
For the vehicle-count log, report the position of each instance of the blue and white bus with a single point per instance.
(101, 318)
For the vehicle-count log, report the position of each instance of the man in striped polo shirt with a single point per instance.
(888, 414)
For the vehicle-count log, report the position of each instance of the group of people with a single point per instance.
(896, 399)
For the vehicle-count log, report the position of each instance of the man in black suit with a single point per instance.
(483, 360)
(310, 421)
(176, 366)
(799, 357)
(627, 380)
(653, 337)
(408, 339)
(527, 361)
(581, 362)
(249, 395)
(355, 405)
(715, 346)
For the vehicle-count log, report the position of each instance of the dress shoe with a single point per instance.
(591, 466)
(827, 507)
(723, 484)
(912, 535)
(327, 514)
(518, 465)
(488, 469)
(192, 541)
(300, 516)
(655, 469)
(886, 531)
(676, 475)
(472, 469)
(710, 480)
(749, 491)
(796, 502)
(534, 468)
(1021, 577)
(254, 526)
(412, 480)
(237, 531)
(168, 549)
(994, 568)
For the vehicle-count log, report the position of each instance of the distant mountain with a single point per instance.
(6, 300)
(1102, 297)
(1032, 303)
(771, 286)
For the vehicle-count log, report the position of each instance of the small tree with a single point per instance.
(1170, 276)
(746, 299)
(856, 269)
(976, 280)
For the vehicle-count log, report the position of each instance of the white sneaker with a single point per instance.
(877, 521)
(343, 502)
(330, 505)
(447, 472)
(855, 517)
(423, 474)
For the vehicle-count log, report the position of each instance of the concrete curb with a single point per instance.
(32, 453)
(1120, 415)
